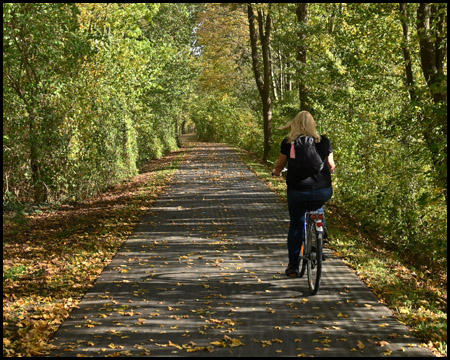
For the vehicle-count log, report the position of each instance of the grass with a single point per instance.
(415, 297)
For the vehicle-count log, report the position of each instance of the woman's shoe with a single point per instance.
(292, 269)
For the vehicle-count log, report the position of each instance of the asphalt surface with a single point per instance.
(203, 275)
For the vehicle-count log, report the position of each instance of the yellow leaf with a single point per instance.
(360, 344)
(175, 345)
(236, 342)
(199, 348)
(218, 343)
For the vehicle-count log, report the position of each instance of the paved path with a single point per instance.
(203, 275)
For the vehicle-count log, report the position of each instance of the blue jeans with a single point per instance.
(297, 202)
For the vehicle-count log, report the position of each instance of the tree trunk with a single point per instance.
(281, 75)
(40, 193)
(406, 52)
(263, 84)
(27, 89)
(430, 23)
(302, 17)
(272, 76)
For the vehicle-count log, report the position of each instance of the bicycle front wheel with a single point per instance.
(314, 265)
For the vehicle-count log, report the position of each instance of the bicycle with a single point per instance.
(311, 252)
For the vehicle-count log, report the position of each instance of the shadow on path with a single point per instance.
(203, 275)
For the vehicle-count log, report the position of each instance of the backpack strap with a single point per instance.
(292, 153)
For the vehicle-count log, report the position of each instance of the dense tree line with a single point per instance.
(92, 91)
(375, 78)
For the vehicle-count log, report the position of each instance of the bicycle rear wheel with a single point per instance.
(314, 264)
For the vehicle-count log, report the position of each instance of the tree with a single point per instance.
(40, 54)
(91, 92)
(221, 40)
(404, 17)
(431, 19)
(432, 49)
(302, 18)
(431, 28)
(224, 99)
(262, 82)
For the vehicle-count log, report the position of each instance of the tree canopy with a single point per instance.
(92, 91)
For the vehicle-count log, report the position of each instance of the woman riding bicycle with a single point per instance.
(315, 188)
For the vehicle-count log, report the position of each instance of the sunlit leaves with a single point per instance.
(96, 87)
(222, 37)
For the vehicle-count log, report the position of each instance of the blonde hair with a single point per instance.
(302, 124)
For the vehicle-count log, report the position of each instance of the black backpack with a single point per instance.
(307, 161)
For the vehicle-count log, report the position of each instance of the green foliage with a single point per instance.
(225, 120)
(385, 175)
(91, 92)
(14, 272)
(390, 152)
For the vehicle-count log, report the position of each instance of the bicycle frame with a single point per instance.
(312, 260)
